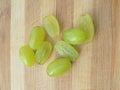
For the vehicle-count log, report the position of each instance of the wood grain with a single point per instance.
(17, 38)
(116, 50)
(36, 77)
(5, 8)
(64, 13)
(98, 66)
(103, 45)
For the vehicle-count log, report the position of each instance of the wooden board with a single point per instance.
(98, 66)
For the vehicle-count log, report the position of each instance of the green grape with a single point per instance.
(43, 52)
(86, 23)
(66, 50)
(27, 55)
(58, 67)
(51, 26)
(37, 36)
(75, 36)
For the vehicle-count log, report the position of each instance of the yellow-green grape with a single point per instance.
(86, 23)
(51, 25)
(58, 67)
(43, 52)
(37, 36)
(27, 55)
(75, 36)
(66, 50)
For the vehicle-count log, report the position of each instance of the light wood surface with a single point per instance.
(98, 66)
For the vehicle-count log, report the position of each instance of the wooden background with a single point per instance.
(98, 66)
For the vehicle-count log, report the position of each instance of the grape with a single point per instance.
(58, 67)
(51, 26)
(27, 55)
(86, 23)
(43, 52)
(75, 36)
(66, 50)
(37, 36)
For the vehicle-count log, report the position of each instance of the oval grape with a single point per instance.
(58, 67)
(85, 22)
(66, 50)
(75, 36)
(43, 52)
(27, 55)
(51, 25)
(37, 36)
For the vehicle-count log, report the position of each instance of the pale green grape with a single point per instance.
(51, 26)
(66, 50)
(58, 67)
(86, 23)
(75, 36)
(37, 36)
(43, 52)
(27, 55)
